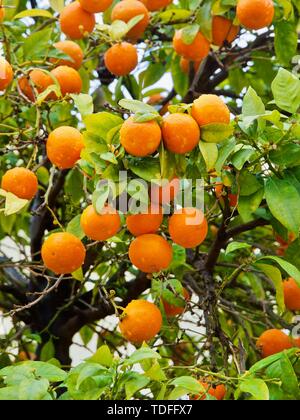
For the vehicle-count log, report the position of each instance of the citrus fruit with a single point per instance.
(166, 192)
(21, 182)
(291, 294)
(126, 10)
(142, 223)
(95, 6)
(195, 51)
(232, 198)
(272, 342)
(6, 73)
(75, 22)
(172, 310)
(71, 49)
(185, 65)
(188, 227)
(216, 391)
(68, 79)
(150, 253)
(255, 14)
(210, 109)
(100, 226)
(223, 30)
(63, 253)
(180, 132)
(38, 79)
(154, 5)
(121, 59)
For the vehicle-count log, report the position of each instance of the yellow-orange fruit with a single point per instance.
(195, 51)
(128, 9)
(272, 342)
(223, 30)
(100, 226)
(64, 146)
(165, 193)
(71, 49)
(2, 14)
(121, 59)
(140, 139)
(210, 109)
(95, 6)
(255, 14)
(21, 182)
(39, 79)
(143, 223)
(75, 22)
(216, 391)
(181, 133)
(173, 310)
(185, 65)
(154, 5)
(291, 294)
(232, 198)
(63, 253)
(68, 78)
(6, 73)
(141, 321)
(150, 253)
(188, 227)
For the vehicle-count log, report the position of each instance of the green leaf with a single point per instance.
(102, 356)
(180, 79)
(274, 274)
(234, 246)
(242, 156)
(37, 44)
(173, 15)
(286, 91)
(137, 106)
(284, 203)
(75, 228)
(84, 103)
(13, 204)
(33, 13)
(190, 384)
(252, 104)
(189, 33)
(147, 168)
(74, 185)
(44, 370)
(101, 123)
(209, 152)
(48, 351)
(135, 383)
(57, 5)
(33, 389)
(100, 197)
(256, 387)
(289, 376)
(286, 266)
(286, 41)
(86, 334)
(225, 150)
(287, 155)
(248, 205)
(216, 133)
(9, 393)
(142, 354)
(118, 29)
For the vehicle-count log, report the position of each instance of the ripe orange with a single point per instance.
(188, 227)
(185, 65)
(142, 223)
(71, 49)
(126, 10)
(154, 5)
(64, 146)
(2, 13)
(140, 139)
(63, 253)
(180, 132)
(95, 6)
(69, 79)
(6, 73)
(75, 22)
(21, 182)
(255, 14)
(195, 51)
(291, 294)
(165, 193)
(223, 30)
(216, 391)
(210, 109)
(121, 59)
(141, 321)
(39, 79)
(150, 253)
(100, 227)
(272, 342)
(285, 243)
(232, 198)
(173, 310)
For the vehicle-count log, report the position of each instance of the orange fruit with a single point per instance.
(291, 294)
(296, 342)
(95, 6)
(21, 182)
(154, 5)
(140, 139)
(255, 14)
(195, 51)
(68, 79)
(142, 223)
(6, 73)
(216, 391)
(188, 227)
(63, 253)
(141, 321)
(121, 59)
(173, 310)
(181, 133)
(75, 22)
(185, 65)
(284, 243)
(272, 342)
(100, 226)
(232, 198)
(223, 30)
(128, 9)
(2, 13)
(210, 109)
(64, 146)
(39, 79)
(71, 49)
(166, 192)
(156, 99)
(150, 253)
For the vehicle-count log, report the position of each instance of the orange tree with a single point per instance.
(178, 91)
